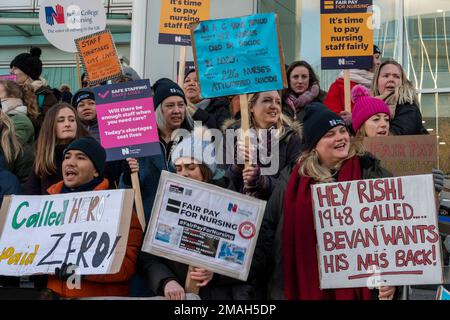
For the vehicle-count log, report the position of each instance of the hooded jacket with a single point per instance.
(103, 285)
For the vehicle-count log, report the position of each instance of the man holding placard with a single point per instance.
(83, 168)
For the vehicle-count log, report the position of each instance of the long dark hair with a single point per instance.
(312, 75)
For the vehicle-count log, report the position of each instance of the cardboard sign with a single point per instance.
(126, 120)
(346, 34)
(405, 155)
(63, 21)
(176, 17)
(88, 229)
(11, 77)
(379, 232)
(203, 225)
(239, 55)
(99, 57)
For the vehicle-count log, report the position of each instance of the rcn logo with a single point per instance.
(341, 62)
(232, 207)
(177, 39)
(51, 15)
(125, 151)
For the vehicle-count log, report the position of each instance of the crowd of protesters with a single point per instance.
(49, 144)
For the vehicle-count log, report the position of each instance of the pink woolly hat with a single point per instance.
(365, 107)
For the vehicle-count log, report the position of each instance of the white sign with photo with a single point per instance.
(204, 225)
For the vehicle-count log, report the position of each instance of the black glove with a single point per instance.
(62, 273)
(438, 179)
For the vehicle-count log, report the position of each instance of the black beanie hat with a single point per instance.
(29, 63)
(81, 95)
(164, 88)
(90, 147)
(318, 120)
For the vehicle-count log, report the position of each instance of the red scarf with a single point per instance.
(300, 265)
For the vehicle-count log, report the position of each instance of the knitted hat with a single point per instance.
(365, 107)
(164, 88)
(81, 95)
(29, 63)
(197, 146)
(318, 120)
(90, 147)
(130, 73)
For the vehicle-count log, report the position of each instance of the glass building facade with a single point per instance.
(416, 33)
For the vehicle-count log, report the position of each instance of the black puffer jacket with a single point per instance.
(407, 121)
(215, 114)
(267, 259)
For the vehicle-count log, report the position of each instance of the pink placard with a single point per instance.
(127, 123)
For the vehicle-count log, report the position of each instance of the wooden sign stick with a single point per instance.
(182, 60)
(347, 91)
(138, 199)
(77, 58)
(191, 285)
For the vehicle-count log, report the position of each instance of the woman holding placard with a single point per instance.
(270, 130)
(194, 157)
(391, 84)
(61, 125)
(211, 112)
(288, 225)
(303, 89)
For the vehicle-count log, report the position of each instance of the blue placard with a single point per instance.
(443, 294)
(238, 55)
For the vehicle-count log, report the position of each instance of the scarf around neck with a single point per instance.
(300, 263)
(13, 106)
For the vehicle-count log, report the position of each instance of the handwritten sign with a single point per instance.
(377, 232)
(203, 225)
(99, 56)
(405, 155)
(88, 229)
(126, 120)
(176, 17)
(11, 77)
(239, 55)
(346, 34)
(63, 21)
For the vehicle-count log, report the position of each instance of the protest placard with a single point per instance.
(63, 21)
(405, 155)
(176, 17)
(88, 229)
(239, 55)
(204, 225)
(126, 120)
(379, 232)
(346, 34)
(442, 294)
(11, 77)
(99, 57)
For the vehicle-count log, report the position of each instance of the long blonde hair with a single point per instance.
(47, 140)
(311, 166)
(10, 145)
(405, 93)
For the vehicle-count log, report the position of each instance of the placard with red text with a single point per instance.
(378, 232)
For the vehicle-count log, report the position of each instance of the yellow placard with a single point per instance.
(346, 35)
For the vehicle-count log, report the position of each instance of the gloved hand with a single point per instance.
(62, 273)
(438, 179)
